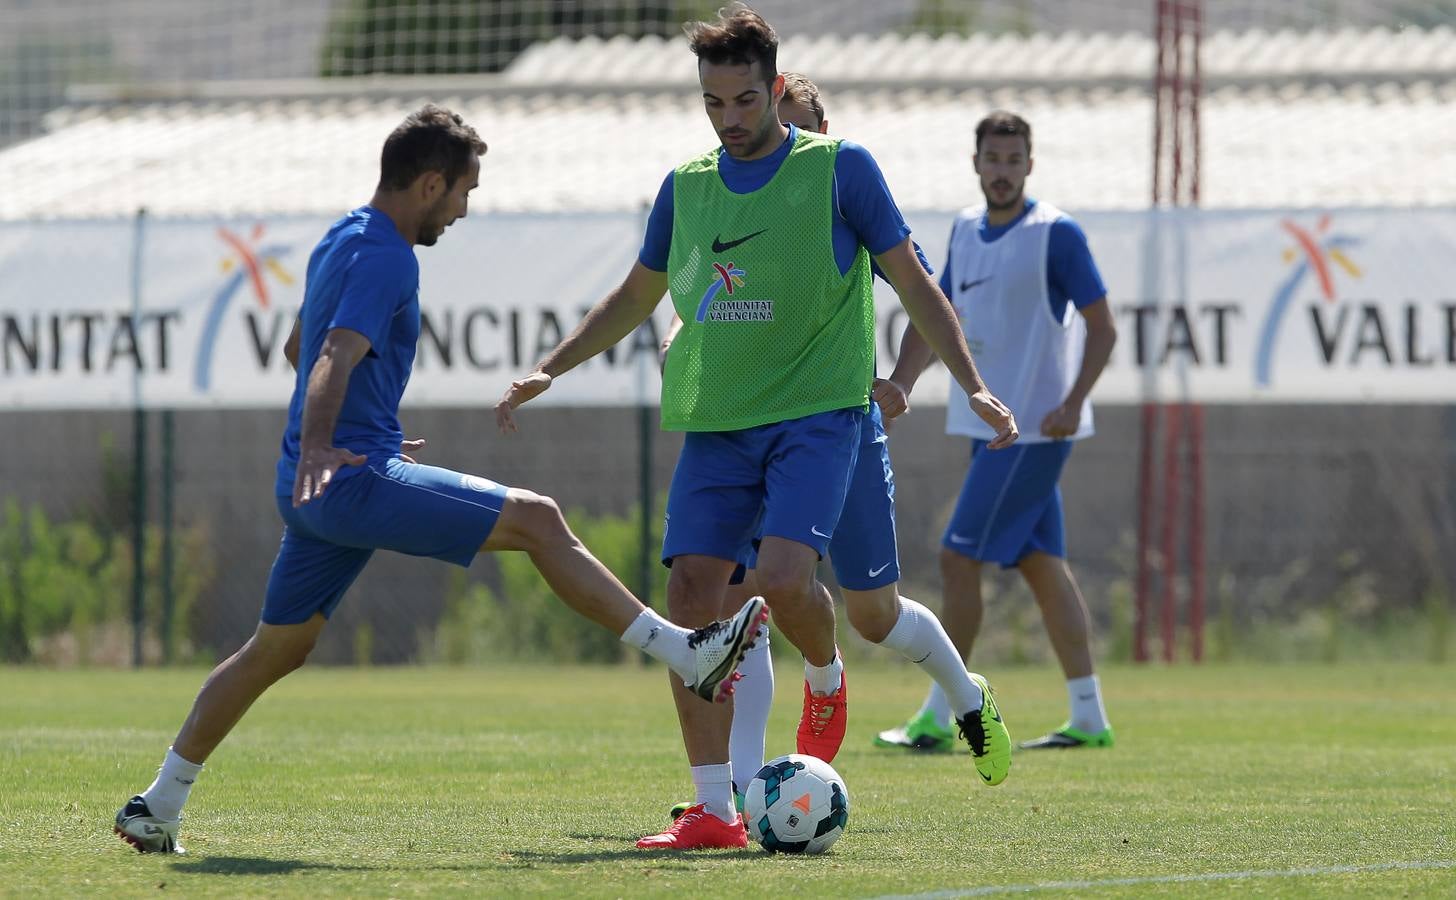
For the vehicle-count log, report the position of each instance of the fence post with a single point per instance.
(646, 433)
(169, 598)
(139, 462)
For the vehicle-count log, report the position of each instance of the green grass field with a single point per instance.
(1312, 781)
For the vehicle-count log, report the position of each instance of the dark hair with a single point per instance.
(800, 90)
(430, 139)
(1003, 122)
(739, 36)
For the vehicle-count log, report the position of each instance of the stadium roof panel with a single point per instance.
(604, 144)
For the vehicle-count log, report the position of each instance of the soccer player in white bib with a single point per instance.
(1035, 314)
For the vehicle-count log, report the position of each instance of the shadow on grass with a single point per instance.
(253, 865)
(622, 849)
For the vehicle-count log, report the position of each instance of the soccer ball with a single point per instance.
(796, 804)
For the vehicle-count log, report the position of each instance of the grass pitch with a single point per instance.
(507, 781)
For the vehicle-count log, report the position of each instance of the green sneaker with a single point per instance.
(1067, 737)
(921, 733)
(986, 733)
(677, 811)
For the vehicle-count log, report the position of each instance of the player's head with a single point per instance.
(431, 162)
(801, 105)
(738, 69)
(1003, 158)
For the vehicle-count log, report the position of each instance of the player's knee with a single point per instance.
(279, 654)
(958, 565)
(537, 519)
(693, 598)
(787, 588)
(870, 615)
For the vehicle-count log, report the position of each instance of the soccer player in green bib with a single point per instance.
(764, 244)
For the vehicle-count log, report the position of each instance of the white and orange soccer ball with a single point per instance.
(796, 804)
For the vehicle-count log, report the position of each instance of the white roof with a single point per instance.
(568, 138)
(1068, 58)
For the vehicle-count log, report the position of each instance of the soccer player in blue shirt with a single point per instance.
(1035, 313)
(344, 487)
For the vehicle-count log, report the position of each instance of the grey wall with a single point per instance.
(1300, 500)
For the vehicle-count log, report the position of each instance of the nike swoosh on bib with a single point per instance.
(967, 285)
(722, 246)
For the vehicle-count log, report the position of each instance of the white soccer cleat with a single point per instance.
(720, 647)
(136, 825)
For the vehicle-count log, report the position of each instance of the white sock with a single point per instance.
(919, 637)
(825, 679)
(167, 795)
(937, 704)
(663, 641)
(714, 785)
(752, 699)
(1088, 713)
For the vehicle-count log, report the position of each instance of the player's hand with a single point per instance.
(892, 399)
(995, 413)
(1061, 423)
(410, 446)
(520, 391)
(316, 468)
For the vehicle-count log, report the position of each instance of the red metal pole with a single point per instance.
(1172, 437)
(1195, 93)
(1159, 79)
(1195, 528)
(1195, 436)
(1177, 42)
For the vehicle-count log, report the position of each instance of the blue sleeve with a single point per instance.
(877, 272)
(657, 242)
(945, 281)
(864, 200)
(375, 285)
(1071, 272)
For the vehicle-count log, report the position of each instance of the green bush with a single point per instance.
(73, 580)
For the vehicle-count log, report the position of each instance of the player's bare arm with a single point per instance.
(1062, 422)
(318, 458)
(608, 322)
(932, 315)
(915, 357)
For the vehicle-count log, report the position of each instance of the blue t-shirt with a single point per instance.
(1071, 272)
(866, 214)
(362, 276)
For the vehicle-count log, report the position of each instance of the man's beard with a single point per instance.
(756, 144)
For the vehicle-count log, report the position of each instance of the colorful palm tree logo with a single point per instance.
(248, 262)
(1314, 251)
(729, 278)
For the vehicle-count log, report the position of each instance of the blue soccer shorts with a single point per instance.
(863, 551)
(394, 505)
(1010, 505)
(786, 479)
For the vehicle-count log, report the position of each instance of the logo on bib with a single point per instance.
(729, 279)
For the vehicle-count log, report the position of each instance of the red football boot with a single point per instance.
(821, 727)
(698, 829)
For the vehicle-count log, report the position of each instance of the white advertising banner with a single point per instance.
(1214, 306)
